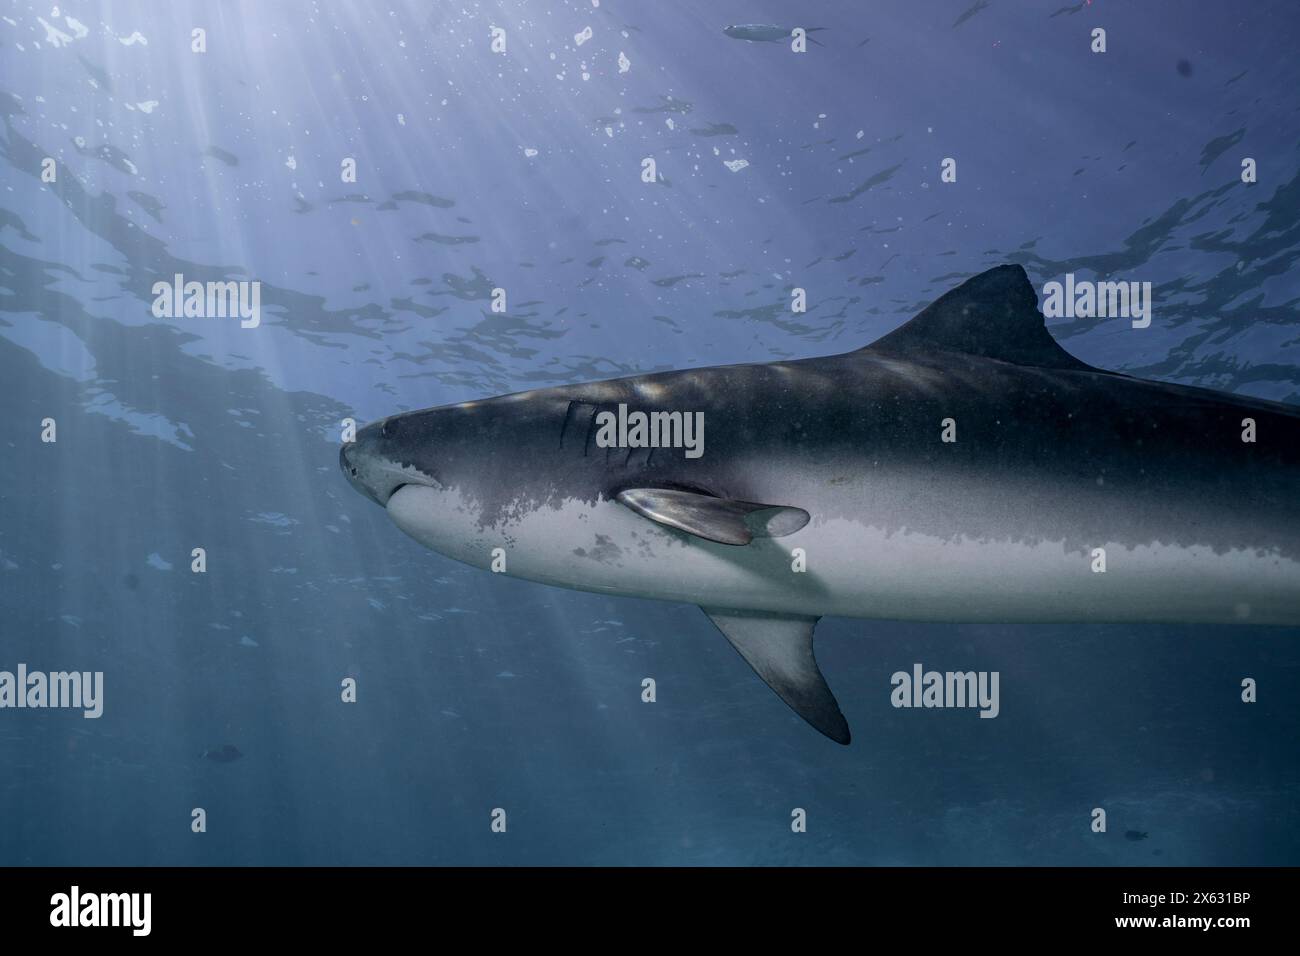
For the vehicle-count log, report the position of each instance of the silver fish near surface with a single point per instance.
(962, 468)
(765, 32)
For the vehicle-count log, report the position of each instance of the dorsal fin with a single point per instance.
(994, 315)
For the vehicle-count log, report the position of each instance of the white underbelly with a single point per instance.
(843, 568)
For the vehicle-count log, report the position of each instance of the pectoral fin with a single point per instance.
(779, 647)
(723, 520)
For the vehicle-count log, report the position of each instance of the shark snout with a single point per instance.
(376, 463)
(351, 463)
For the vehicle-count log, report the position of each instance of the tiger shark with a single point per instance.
(962, 468)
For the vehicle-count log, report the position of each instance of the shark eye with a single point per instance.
(354, 472)
(389, 429)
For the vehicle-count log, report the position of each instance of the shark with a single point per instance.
(964, 467)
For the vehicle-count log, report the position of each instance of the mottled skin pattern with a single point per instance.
(1052, 459)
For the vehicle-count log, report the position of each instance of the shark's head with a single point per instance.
(454, 476)
(389, 454)
(420, 467)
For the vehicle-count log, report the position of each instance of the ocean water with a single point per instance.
(522, 170)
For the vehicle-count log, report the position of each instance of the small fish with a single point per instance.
(1134, 835)
(765, 32)
(226, 753)
(979, 5)
(216, 152)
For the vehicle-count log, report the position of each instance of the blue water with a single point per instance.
(522, 170)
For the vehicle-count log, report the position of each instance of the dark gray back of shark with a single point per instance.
(1051, 450)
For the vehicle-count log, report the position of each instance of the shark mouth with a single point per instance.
(407, 477)
(379, 478)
